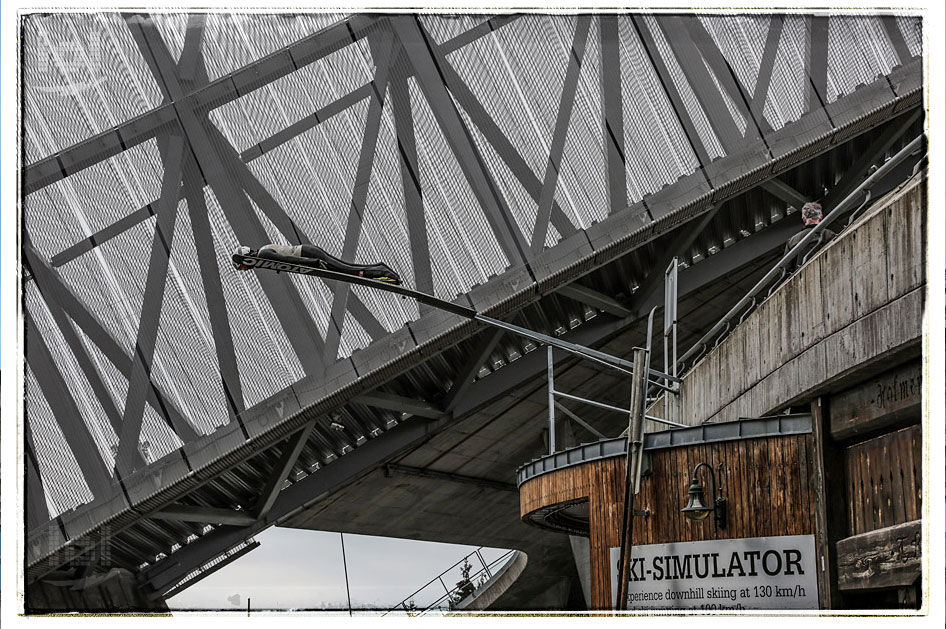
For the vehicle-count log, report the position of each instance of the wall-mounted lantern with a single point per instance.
(697, 508)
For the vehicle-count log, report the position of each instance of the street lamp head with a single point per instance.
(696, 508)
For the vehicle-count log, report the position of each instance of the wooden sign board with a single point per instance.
(776, 572)
(888, 557)
(886, 400)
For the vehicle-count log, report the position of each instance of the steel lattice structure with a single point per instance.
(491, 160)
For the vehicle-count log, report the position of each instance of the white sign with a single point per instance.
(746, 573)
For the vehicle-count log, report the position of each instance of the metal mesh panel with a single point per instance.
(787, 101)
(912, 30)
(517, 74)
(111, 278)
(693, 109)
(741, 41)
(459, 233)
(95, 198)
(353, 337)
(173, 29)
(274, 107)
(522, 206)
(444, 27)
(656, 147)
(853, 53)
(260, 345)
(184, 358)
(62, 479)
(233, 40)
(82, 74)
(313, 176)
(583, 188)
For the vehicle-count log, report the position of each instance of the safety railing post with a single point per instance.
(551, 403)
(485, 567)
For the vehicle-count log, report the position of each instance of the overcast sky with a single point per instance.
(303, 569)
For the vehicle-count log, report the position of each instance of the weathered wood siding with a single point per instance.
(886, 558)
(602, 483)
(855, 303)
(767, 483)
(882, 479)
(887, 401)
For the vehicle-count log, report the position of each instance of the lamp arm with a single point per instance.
(715, 498)
(712, 477)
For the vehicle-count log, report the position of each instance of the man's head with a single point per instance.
(241, 251)
(811, 213)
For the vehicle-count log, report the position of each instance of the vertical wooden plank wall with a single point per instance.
(883, 481)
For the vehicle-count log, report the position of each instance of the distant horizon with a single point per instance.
(302, 570)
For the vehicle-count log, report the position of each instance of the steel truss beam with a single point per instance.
(710, 99)
(612, 108)
(213, 289)
(264, 146)
(504, 148)
(464, 377)
(56, 293)
(382, 52)
(140, 377)
(399, 404)
(593, 298)
(203, 515)
(680, 246)
(37, 513)
(766, 68)
(206, 573)
(256, 191)
(448, 476)
(559, 135)
(280, 472)
(816, 60)
(858, 170)
(778, 188)
(295, 319)
(480, 30)
(309, 490)
(418, 50)
(896, 38)
(217, 93)
(144, 213)
(65, 411)
(410, 181)
(729, 81)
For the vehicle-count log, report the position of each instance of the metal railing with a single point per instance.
(781, 269)
(451, 596)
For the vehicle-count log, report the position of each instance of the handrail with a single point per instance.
(782, 265)
(402, 606)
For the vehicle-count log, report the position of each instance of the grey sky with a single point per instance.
(303, 569)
